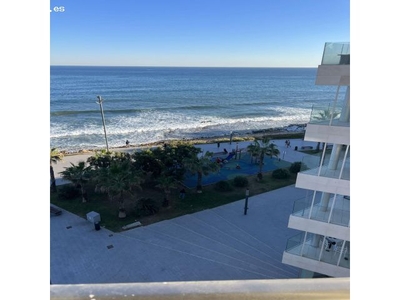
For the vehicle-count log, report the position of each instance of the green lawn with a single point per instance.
(193, 201)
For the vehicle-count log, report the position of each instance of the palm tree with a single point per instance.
(78, 174)
(253, 150)
(123, 180)
(101, 159)
(55, 156)
(260, 148)
(326, 114)
(272, 150)
(200, 166)
(166, 182)
(101, 178)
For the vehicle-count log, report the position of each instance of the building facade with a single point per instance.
(322, 247)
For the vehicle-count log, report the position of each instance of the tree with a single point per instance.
(101, 159)
(124, 180)
(253, 150)
(55, 156)
(166, 182)
(101, 178)
(171, 159)
(148, 162)
(260, 148)
(201, 166)
(272, 150)
(78, 174)
(326, 114)
(119, 180)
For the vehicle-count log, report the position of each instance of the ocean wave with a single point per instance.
(174, 103)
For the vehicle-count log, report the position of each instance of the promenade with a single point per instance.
(215, 244)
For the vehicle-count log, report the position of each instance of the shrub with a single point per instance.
(280, 174)
(147, 207)
(223, 186)
(67, 192)
(295, 167)
(240, 181)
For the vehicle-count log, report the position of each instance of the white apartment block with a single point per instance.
(322, 247)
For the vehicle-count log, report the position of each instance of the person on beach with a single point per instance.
(127, 143)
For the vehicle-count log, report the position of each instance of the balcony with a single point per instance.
(331, 261)
(337, 212)
(311, 165)
(336, 54)
(325, 171)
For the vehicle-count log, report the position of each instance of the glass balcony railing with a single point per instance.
(336, 211)
(328, 116)
(311, 165)
(336, 54)
(325, 171)
(310, 162)
(304, 245)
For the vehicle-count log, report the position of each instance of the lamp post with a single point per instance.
(237, 150)
(102, 117)
(246, 201)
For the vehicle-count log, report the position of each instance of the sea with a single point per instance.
(156, 104)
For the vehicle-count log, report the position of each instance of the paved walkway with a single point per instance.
(214, 244)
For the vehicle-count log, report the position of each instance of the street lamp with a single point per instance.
(102, 117)
(246, 201)
(237, 150)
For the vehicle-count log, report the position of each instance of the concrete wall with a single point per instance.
(323, 184)
(322, 228)
(327, 134)
(314, 265)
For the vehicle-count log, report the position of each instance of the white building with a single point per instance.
(322, 247)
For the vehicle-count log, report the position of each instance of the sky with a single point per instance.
(201, 33)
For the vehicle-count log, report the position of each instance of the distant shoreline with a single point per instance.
(291, 131)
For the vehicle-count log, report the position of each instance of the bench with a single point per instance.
(306, 147)
(132, 225)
